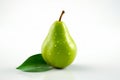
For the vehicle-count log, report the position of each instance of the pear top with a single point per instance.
(61, 15)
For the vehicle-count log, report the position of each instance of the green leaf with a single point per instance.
(34, 63)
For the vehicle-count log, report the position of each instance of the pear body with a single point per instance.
(58, 48)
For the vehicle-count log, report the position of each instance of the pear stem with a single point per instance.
(61, 15)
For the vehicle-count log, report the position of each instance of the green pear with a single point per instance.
(58, 48)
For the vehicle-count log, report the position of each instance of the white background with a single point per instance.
(93, 24)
